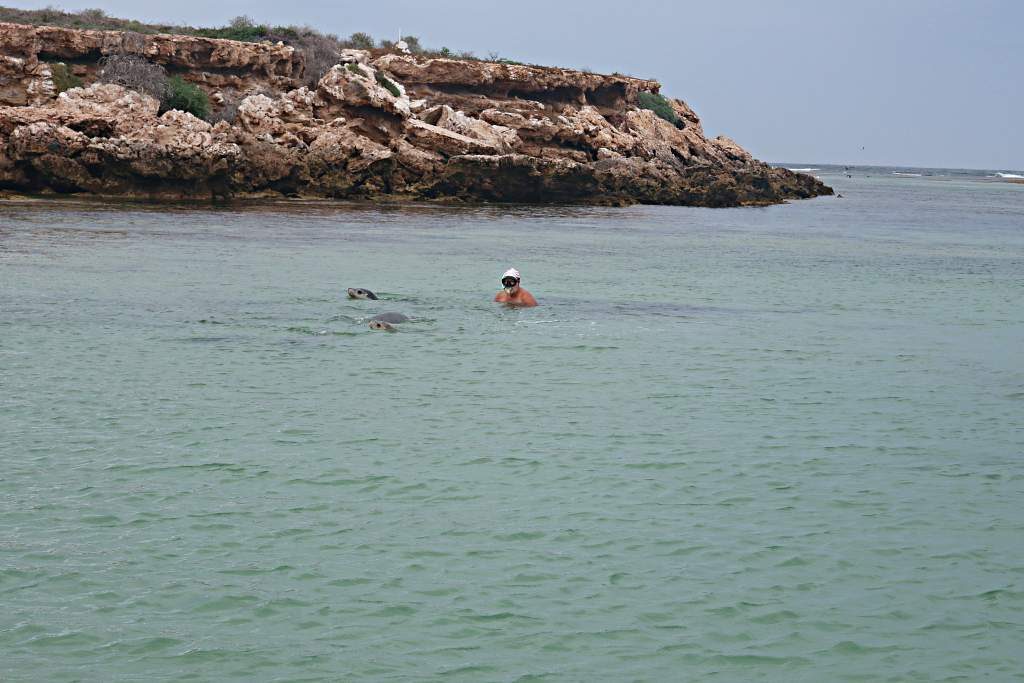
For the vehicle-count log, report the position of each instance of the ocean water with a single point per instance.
(781, 444)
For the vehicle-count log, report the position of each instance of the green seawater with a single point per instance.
(779, 444)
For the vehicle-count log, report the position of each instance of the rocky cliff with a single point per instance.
(375, 125)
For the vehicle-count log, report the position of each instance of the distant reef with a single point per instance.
(122, 113)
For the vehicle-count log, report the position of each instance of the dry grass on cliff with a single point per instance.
(134, 72)
(241, 28)
(320, 48)
(86, 19)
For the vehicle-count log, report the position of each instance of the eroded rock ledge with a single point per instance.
(372, 127)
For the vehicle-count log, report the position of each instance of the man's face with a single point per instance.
(510, 284)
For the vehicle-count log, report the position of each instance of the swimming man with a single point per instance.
(513, 294)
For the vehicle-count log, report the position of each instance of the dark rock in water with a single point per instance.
(391, 126)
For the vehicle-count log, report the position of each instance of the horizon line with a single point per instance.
(936, 168)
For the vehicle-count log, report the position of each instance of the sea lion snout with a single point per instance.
(381, 325)
(361, 293)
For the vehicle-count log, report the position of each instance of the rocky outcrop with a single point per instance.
(27, 51)
(371, 127)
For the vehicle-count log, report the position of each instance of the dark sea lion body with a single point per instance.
(393, 318)
(387, 321)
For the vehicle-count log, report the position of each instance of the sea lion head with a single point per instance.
(381, 325)
(360, 293)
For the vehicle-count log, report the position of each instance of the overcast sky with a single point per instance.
(900, 82)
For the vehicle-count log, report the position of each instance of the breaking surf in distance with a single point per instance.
(970, 174)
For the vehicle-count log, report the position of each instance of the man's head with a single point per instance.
(510, 280)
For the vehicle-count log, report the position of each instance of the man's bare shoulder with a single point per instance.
(522, 298)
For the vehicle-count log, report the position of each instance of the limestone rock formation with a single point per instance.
(384, 126)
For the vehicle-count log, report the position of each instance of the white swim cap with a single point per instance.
(511, 272)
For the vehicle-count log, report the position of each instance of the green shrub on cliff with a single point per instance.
(357, 70)
(240, 28)
(185, 96)
(361, 41)
(249, 34)
(388, 84)
(63, 79)
(659, 105)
